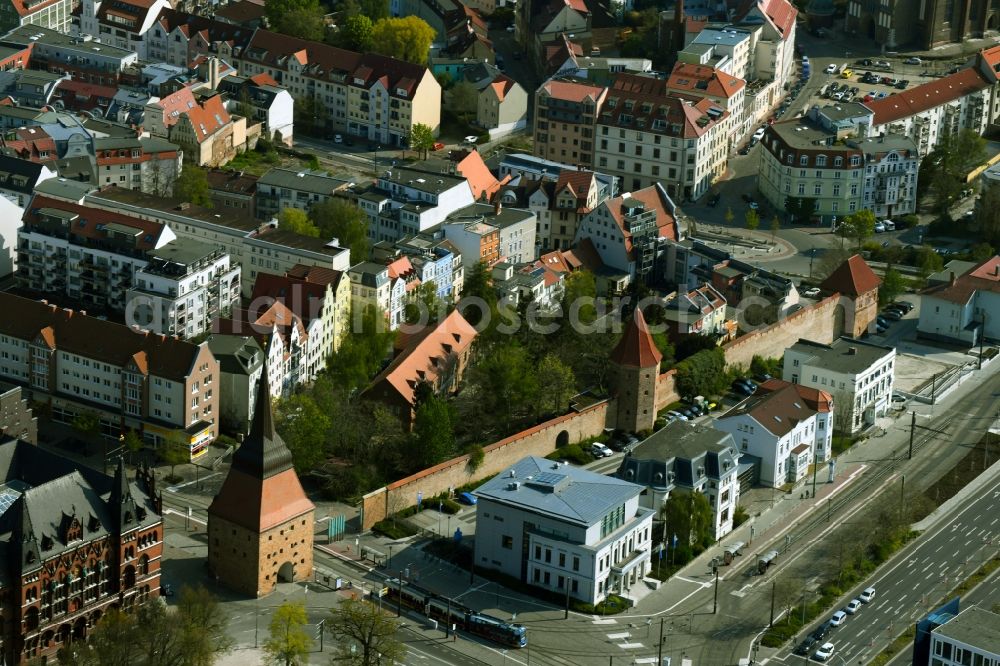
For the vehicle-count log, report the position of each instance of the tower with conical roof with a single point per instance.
(260, 525)
(635, 364)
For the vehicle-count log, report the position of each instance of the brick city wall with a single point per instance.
(537, 441)
(666, 389)
(817, 322)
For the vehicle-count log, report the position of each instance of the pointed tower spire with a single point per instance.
(263, 454)
(121, 504)
(636, 348)
(25, 541)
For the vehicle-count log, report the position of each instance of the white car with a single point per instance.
(471, 139)
(913, 60)
(879, 227)
(599, 450)
(853, 606)
(838, 618)
(824, 652)
(337, 138)
(869, 593)
(510, 28)
(812, 292)
(831, 69)
(759, 134)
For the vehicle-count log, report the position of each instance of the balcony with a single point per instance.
(629, 562)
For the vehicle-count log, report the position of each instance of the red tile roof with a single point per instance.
(108, 342)
(176, 103)
(816, 399)
(927, 95)
(208, 117)
(90, 223)
(23, 9)
(702, 80)
(852, 278)
(984, 277)
(315, 274)
(573, 91)
(654, 107)
(303, 298)
(780, 13)
(636, 348)
(778, 410)
(423, 360)
(653, 197)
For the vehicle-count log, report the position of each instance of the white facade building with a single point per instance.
(185, 285)
(405, 202)
(564, 529)
(858, 374)
(787, 426)
(687, 458)
(965, 307)
(971, 637)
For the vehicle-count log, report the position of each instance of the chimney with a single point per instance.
(953, 279)
(852, 351)
(213, 73)
(497, 207)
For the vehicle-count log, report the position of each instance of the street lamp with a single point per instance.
(378, 147)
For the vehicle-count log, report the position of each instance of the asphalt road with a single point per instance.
(917, 582)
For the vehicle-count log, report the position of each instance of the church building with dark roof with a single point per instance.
(74, 542)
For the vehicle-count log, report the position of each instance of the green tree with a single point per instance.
(173, 453)
(289, 640)
(87, 425)
(110, 643)
(556, 384)
(752, 219)
(192, 186)
(376, 9)
(800, 208)
(408, 38)
(927, 260)
(421, 138)
(981, 252)
(478, 286)
(505, 384)
(988, 215)
(205, 625)
(463, 100)
(730, 216)
(580, 296)
(356, 35)
(893, 284)
(295, 220)
(425, 300)
(948, 165)
(433, 432)
(364, 635)
(688, 516)
(343, 220)
(132, 443)
(304, 427)
(299, 18)
(860, 226)
(362, 353)
(775, 227)
(703, 373)
(311, 114)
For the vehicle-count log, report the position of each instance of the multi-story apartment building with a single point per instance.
(77, 544)
(16, 418)
(87, 255)
(701, 311)
(179, 38)
(182, 288)
(336, 300)
(233, 189)
(203, 128)
(566, 113)
(925, 113)
(722, 88)
(772, 25)
(627, 232)
(254, 246)
(54, 15)
(515, 240)
(241, 364)
(119, 23)
(788, 427)
(433, 260)
(521, 166)
(18, 179)
(157, 385)
(366, 95)
(687, 458)
(727, 49)
(263, 101)
(564, 528)
(477, 241)
(315, 304)
(820, 158)
(148, 164)
(407, 201)
(86, 60)
(370, 286)
(957, 310)
(646, 135)
(858, 374)
(558, 206)
(287, 188)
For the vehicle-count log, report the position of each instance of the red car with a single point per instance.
(438, 146)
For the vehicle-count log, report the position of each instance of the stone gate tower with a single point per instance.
(635, 364)
(260, 525)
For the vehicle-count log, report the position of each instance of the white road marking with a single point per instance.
(615, 637)
(939, 548)
(928, 567)
(605, 620)
(696, 582)
(630, 646)
(184, 515)
(645, 660)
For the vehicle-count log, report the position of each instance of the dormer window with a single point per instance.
(821, 160)
(803, 160)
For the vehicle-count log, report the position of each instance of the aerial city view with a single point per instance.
(499, 332)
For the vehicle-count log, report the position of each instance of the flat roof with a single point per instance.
(839, 356)
(64, 188)
(303, 180)
(233, 219)
(682, 440)
(425, 181)
(298, 241)
(184, 251)
(976, 627)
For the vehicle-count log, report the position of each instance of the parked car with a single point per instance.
(831, 69)
(892, 315)
(806, 646)
(864, 63)
(869, 592)
(745, 150)
(822, 631)
(883, 322)
(879, 227)
(838, 618)
(913, 60)
(337, 138)
(437, 146)
(906, 304)
(599, 450)
(753, 205)
(811, 292)
(824, 652)
(889, 225)
(467, 498)
(471, 139)
(759, 134)
(853, 606)
(762, 378)
(713, 200)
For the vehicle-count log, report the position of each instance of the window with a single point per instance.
(506, 541)
(562, 559)
(576, 563)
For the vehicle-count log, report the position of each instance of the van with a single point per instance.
(889, 225)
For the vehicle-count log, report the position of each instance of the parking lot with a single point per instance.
(870, 79)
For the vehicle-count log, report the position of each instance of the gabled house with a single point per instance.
(701, 311)
(263, 101)
(203, 128)
(503, 103)
(178, 38)
(121, 23)
(437, 357)
(722, 88)
(964, 309)
(786, 426)
(311, 303)
(549, 19)
(627, 231)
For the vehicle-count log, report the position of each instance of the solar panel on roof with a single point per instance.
(7, 498)
(548, 478)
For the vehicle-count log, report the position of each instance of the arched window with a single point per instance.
(821, 160)
(144, 565)
(838, 161)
